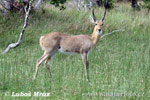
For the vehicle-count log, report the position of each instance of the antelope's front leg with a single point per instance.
(86, 65)
(39, 62)
(48, 67)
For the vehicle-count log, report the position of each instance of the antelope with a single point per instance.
(79, 44)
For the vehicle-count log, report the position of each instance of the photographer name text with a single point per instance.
(28, 94)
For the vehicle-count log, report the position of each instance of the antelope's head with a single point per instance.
(98, 23)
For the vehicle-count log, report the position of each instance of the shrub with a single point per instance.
(146, 4)
(58, 3)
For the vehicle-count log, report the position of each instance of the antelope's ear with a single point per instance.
(92, 20)
(103, 21)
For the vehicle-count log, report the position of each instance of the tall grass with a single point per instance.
(119, 64)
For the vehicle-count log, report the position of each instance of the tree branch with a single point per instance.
(112, 32)
(4, 6)
(13, 45)
(37, 6)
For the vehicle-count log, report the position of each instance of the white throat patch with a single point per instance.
(100, 32)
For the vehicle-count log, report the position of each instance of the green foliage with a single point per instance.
(57, 2)
(109, 4)
(146, 4)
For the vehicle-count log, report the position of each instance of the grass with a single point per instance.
(119, 64)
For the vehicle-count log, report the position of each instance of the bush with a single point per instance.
(109, 4)
(57, 2)
(146, 4)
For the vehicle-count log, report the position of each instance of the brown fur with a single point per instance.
(68, 43)
(80, 44)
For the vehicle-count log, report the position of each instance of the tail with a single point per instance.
(41, 42)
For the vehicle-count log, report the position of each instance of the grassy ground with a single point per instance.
(120, 63)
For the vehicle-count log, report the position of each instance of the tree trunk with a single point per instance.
(13, 45)
(99, 2)
(6, 6)
(90, 4)
(11, 2)
(37, 6)
(79, 5)
(85, 5)
(134, 3)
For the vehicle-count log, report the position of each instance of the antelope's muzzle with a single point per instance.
(99, 31)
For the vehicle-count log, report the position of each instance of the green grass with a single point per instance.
(119, 64)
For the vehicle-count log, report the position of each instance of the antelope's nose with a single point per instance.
(99, 30)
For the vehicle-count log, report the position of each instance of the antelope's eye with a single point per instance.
(102, 24)
(95, 24)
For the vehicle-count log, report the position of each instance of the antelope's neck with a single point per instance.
(95, 38)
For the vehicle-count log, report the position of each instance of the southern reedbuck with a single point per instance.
(79, 44)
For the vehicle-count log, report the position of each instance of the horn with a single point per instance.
(94, 17)
(104, 15)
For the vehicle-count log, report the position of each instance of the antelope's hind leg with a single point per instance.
(47, 62)
(86, 65)
(39, 62)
